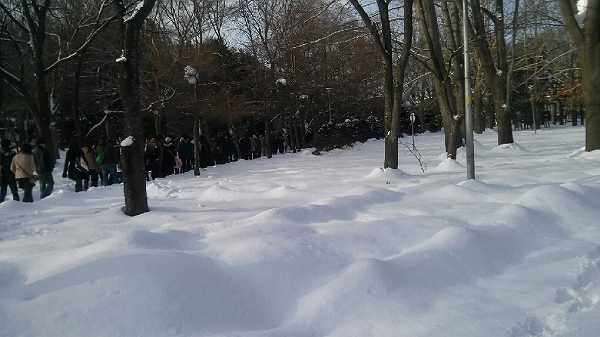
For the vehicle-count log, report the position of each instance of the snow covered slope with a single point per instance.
(304, 245)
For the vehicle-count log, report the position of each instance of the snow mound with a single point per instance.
(566, 204)
(220, 192)
(448, 165)
(307, 152)
(508, 148)
(380, 173)
(451, 257)
(582, 154)
(171, 240)
(176, 293)
(340, 208)
(279, 191)
(481, 187)
(159, 190)
(577, 152)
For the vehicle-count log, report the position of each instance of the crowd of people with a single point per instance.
(24, 166)
(92, 164)
(97, 163)
(175, 155)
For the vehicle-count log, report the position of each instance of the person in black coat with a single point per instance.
(186, 153)
(75, 166)
(245, 148)
(168, 158)
(7, 178)
(109, 163)
(152, 158)
(45, 165)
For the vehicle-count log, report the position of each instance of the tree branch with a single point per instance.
(81, 48)
(370, 25)
(568, 13)
(12, 18)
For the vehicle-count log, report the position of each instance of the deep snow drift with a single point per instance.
(305, 245)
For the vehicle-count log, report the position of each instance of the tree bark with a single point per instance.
(591, 87)
(391, 129)
(392, 105)
(494, 75)
(132, 157)
(587, 39)
(444, 90)
(478, 118)
(398, 93)
(76, 91)
(390, 114)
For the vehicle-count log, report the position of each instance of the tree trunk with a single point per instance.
(503, 117)
(132, 157)
(390, 118)
(494, 75)
(451, 125)
(444, 90)
(392, 104)
(591, 89)
(76, 112)
(41, 115)
(478, 123)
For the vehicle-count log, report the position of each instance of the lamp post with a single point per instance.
(468, 98)
(329, 103)
(191, 75)
(531, 87)
(412, 126)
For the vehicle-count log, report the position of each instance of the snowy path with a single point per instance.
(302, 246)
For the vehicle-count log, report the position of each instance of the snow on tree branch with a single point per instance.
(127, 141)
(140, 12)
(582, 6)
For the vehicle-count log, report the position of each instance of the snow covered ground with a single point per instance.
(305, 245)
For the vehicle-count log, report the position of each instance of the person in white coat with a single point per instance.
(24, 168)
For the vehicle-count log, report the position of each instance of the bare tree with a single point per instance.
(218, 11)
(31, 20)
(393, 80)
(259, 20)
(445, 90)
(494, 69)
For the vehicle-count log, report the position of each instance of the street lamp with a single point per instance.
(190, 74)
(468, 98)
(412, 126)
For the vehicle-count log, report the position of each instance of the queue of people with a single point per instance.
(96, 163)
(175, 155)
(168, 157)
(92, 164)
